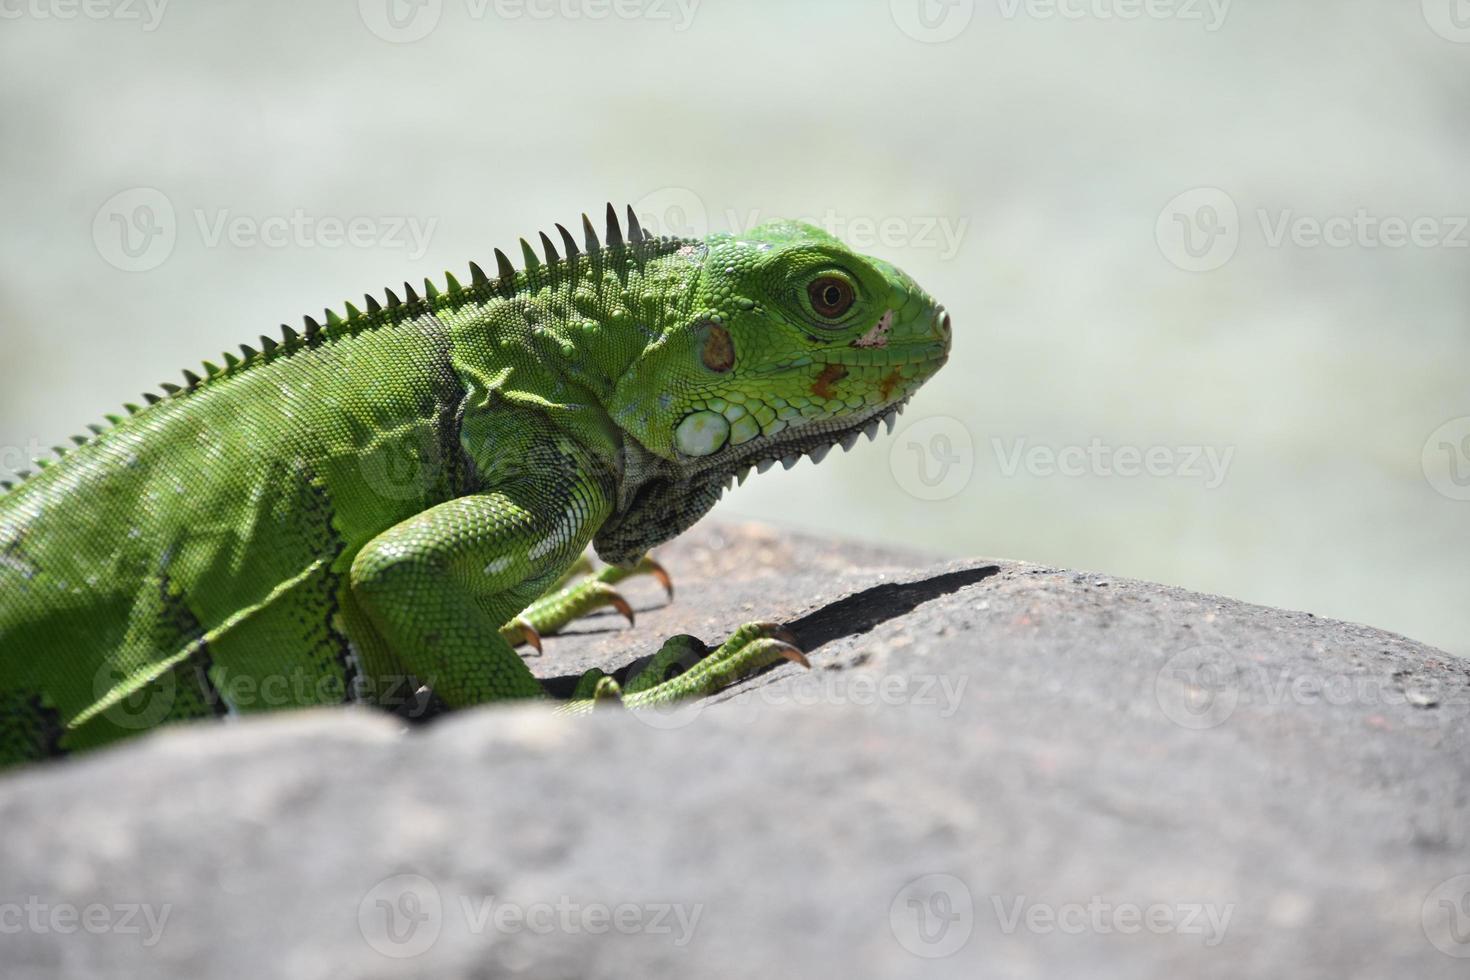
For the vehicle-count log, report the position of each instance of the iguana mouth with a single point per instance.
(814, 441)
(924, 352)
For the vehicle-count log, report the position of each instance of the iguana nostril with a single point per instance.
(942, 325)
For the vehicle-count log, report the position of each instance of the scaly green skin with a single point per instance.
(353, 512)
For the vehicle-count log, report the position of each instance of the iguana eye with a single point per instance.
(831, 297)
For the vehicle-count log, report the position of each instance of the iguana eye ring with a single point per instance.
(831, 297)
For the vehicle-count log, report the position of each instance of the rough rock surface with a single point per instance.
(994, 769)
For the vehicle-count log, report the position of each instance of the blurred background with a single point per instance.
(1207, 260)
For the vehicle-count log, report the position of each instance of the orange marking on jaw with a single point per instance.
(831, 374)
(889, 382)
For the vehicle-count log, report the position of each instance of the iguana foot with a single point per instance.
(684, 667)
(572, 598)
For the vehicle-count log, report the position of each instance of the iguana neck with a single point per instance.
(574, 328)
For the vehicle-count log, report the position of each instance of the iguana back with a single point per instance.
(213, 529)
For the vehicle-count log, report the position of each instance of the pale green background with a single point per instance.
(1056, 141)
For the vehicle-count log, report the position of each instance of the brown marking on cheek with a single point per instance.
(831, 374)
(718, 352)
(889, 382)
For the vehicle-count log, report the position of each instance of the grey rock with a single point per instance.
(994, 770)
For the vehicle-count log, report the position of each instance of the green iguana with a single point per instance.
(397, 496)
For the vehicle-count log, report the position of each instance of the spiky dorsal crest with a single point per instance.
(615, 237)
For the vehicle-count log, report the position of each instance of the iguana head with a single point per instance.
(793, 343)
(783, 343)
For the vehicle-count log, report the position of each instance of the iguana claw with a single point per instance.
(791, 653)
(645, 566)
(616, 600)
(520, 631)
(660, 574)
(774, 631)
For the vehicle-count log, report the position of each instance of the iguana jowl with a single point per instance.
(382, 497)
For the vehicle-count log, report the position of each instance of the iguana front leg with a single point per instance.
(435, 586)
(438, 587)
